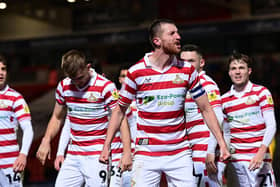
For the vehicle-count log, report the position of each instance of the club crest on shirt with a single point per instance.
(26, 109)
(92, 98)
(178, 80)
(269, 100)
(250, 101)
(115, 94)
(3, 105)
(212, 96)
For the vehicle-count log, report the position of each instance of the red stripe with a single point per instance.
(195, 122)
(9, 154)
(161, 115)
(8, 142)
(84, 153)
(88, 143)
(7, 131)
(93, 142)
(199, 147)
(115, 151)
(89, 133)
(24, 116)
(154, 141)
(18, 108)
(240, 160)
(246, 140)
(240, 107)
(197, 135)
(161, 85)
(162, 153)
(88, 121)
(81, 100)
(124, 101)
(6, 109)
(6, 166)
(246, 151)
(163, 129)
(198, 159)
(246, 129)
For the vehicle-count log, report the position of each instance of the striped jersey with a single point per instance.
(244, 114)
(88, 110)
(198, 131)
(160, 97)
(13, 109)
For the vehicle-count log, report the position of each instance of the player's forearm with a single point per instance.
(114, 125)
(213, 125)
(125, 136)
(52, 130)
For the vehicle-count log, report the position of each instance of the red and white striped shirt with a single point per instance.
(160, 97)
(13, 109)
(198, 131)
(244, 115)
(88, 113)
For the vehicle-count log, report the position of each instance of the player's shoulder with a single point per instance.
(12, 92)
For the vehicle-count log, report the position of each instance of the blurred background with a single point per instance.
(34, 35)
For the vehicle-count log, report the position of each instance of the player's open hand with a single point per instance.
(210, 163)
(256, 161)
(44, 152)
(20, 163)
(58, 162)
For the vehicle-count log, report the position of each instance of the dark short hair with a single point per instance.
(155, 28)
(191, 47)
(72, 62)
(3, 59)
(239, 56)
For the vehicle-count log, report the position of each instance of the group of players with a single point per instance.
(185, 128)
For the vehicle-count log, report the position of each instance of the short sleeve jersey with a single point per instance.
(244, 114)
(160, 97)
(88, 112)
(197, 129)
(13, 109)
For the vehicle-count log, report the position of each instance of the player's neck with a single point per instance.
(160, 60)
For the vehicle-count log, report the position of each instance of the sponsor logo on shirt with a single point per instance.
(143, 141)
(212, 96)
(3, 117)
(26, 109)
(148, 99)
(178, 80)
(92, 98)
(269, 100)
(115, 94)
(81, 109)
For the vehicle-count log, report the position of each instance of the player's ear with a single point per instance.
(157, 41)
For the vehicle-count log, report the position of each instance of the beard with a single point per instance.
(171, 49)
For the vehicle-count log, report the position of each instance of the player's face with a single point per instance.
(239, 73)
(122, 76)
(193, 58)
(81, 78)
(3, 75)
(170, 39)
